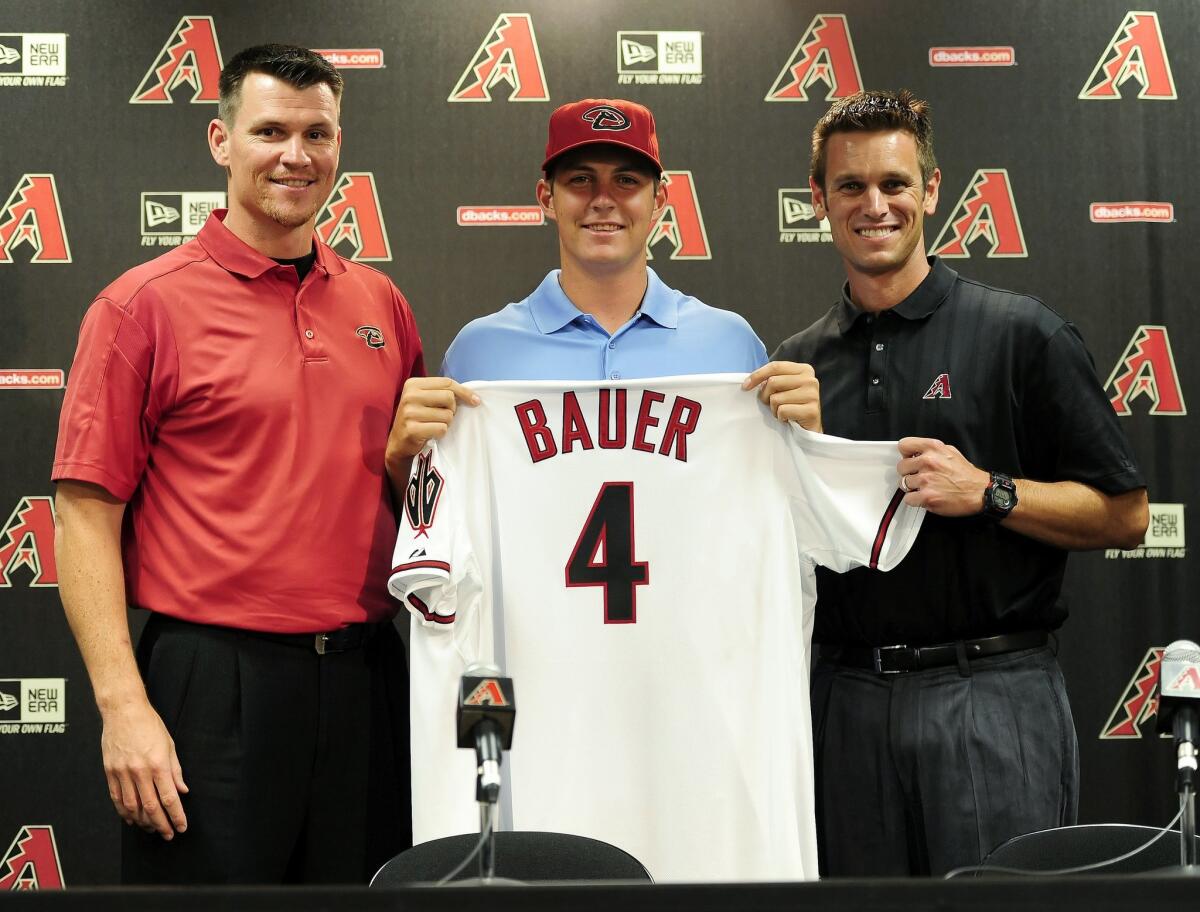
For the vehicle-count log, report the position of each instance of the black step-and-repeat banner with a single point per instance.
(1068, 142)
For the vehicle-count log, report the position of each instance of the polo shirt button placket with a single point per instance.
(876, 370)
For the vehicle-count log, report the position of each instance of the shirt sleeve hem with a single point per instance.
(74, 471)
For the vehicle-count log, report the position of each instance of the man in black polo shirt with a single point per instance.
(929, 757)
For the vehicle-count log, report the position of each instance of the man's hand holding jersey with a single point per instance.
(424, 413)
(791, 390)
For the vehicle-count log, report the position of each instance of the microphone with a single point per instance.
(1179, 705)
(487, 708)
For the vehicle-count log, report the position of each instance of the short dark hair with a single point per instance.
(640, 162)
(296, 66)
(876, 111)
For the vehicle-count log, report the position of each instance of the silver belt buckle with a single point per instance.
(319, 641)
(877, 656)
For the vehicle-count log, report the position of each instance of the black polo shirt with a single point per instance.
(1008, 381)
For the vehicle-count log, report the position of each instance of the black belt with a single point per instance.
(352, 636)
(898, 659)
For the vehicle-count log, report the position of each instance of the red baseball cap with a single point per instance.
(613, 121)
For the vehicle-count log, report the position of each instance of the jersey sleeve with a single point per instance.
(434, 571)
(849, 508)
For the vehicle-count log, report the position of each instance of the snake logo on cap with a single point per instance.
(606, 117)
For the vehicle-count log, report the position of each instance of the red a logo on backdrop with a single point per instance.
(1147, 368)
(1137, 704)
(27, 540)
(509, 53)
(986, 209)
(352, 216)
(681, 221)
(33, 216)
(190, 55)
(1136, 52)
(825, 54)
(31, 862)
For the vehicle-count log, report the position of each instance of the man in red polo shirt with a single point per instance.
(220, 463)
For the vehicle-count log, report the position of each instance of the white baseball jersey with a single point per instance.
(638, 558)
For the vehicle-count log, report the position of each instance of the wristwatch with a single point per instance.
(999, 497)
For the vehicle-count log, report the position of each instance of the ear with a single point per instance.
(545, 197)
(218, 142)
(660, 199)
(931, 191)
(818, 198)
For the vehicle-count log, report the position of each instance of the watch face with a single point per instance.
(1002, 498)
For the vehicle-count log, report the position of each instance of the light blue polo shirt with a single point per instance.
(546, 337)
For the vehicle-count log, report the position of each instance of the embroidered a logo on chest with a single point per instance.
(372, 335)
(939, 389)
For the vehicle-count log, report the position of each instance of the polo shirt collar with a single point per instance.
(924, 300)
(234, 255)
(551, 309)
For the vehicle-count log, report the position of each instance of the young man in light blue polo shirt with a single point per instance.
(604, 314)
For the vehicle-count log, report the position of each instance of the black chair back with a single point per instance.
(1074, 846)
(525, 856)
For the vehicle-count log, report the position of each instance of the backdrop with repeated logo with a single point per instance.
(1060, 131)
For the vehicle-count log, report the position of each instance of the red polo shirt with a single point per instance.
(244, 416)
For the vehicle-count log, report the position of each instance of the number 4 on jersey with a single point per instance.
(603, 555)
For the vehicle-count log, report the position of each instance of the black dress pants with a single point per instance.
(297, 764)
(923, 772)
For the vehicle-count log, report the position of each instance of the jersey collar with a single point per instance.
(924, 300)
(551, 309)
(234, 255)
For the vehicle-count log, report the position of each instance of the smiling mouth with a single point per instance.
(604, 227)
(297, 183)
(876, 232)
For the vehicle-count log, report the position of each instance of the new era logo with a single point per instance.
(179, 213)
(797, 212)
(660, 53)
(159, 214)
(33, 54)
(634, 52)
